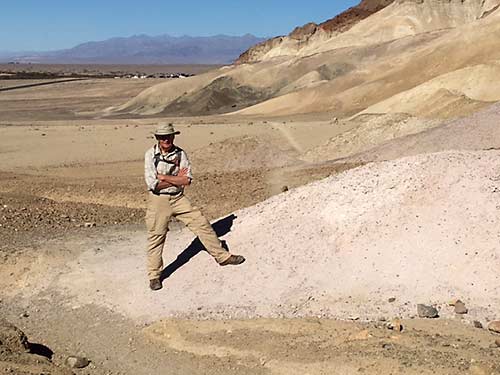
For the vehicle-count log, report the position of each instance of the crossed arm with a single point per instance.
(180, 180)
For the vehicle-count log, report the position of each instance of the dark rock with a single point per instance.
(477, 324)
(77, 362)
(425, 311)
(392, 299)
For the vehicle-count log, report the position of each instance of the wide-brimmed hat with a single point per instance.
(166, 129)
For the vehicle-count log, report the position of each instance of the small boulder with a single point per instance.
(477, 324)
(77, 362)
(12, 338)
(395, 325)
(425, 311)
(460, 308)
(494, 326)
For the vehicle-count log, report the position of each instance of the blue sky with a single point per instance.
(56, 24)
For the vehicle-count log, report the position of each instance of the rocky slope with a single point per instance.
(302, 34)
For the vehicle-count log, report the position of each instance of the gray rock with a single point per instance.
(494, 326)
(77, 362)
(460, 308)
(425, 311)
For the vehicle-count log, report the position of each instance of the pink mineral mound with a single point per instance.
(423, 229)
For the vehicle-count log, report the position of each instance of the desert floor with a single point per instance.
(71, 182)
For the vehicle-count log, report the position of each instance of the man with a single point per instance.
(166, 171)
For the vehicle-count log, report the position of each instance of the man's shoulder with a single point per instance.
(150, 151)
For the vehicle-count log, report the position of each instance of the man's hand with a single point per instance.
(183, 172)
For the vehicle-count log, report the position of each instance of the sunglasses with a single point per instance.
(164, 137)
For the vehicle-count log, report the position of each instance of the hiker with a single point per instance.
(166, 171)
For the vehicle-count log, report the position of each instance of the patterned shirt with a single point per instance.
(170, 164)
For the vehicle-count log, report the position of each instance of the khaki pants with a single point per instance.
(159, 211)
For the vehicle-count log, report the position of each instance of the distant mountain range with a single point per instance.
(144, 49)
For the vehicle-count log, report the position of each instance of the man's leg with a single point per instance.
(155, 251)
(193, 218)
(158, 215)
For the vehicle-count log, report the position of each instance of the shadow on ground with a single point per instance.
(221, 227)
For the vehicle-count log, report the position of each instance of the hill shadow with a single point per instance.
(221, 227)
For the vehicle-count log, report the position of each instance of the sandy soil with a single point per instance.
(81, 289)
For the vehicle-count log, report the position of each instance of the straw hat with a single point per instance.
(166, 129)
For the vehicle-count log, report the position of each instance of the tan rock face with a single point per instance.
(494, 326)
(340, 23)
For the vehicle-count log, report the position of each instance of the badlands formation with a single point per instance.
(353, 163)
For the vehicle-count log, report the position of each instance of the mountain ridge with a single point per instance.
(145, 49)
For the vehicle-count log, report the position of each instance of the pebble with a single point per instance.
(425, 311)
(77, 362)
(395, 325)
(494, 326)
(89, 225)
(460, 308)
(392, 299)
(477, 324)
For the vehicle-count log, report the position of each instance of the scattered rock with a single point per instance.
(477, 324)
(89, 225)
(284, 188)
(24, 315)
(494, 326)
(425, 311)
(77, 362)
(392, 299)
(395, 325)
(460, 308)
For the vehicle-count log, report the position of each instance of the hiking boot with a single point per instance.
(233, 260)
(155, 284)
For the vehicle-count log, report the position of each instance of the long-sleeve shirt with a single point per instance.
(169, 164)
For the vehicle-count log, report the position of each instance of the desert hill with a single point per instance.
(300, 35)
(445, 49)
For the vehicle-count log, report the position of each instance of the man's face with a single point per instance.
(166, 141)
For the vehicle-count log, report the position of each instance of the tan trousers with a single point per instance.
(159, 211)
